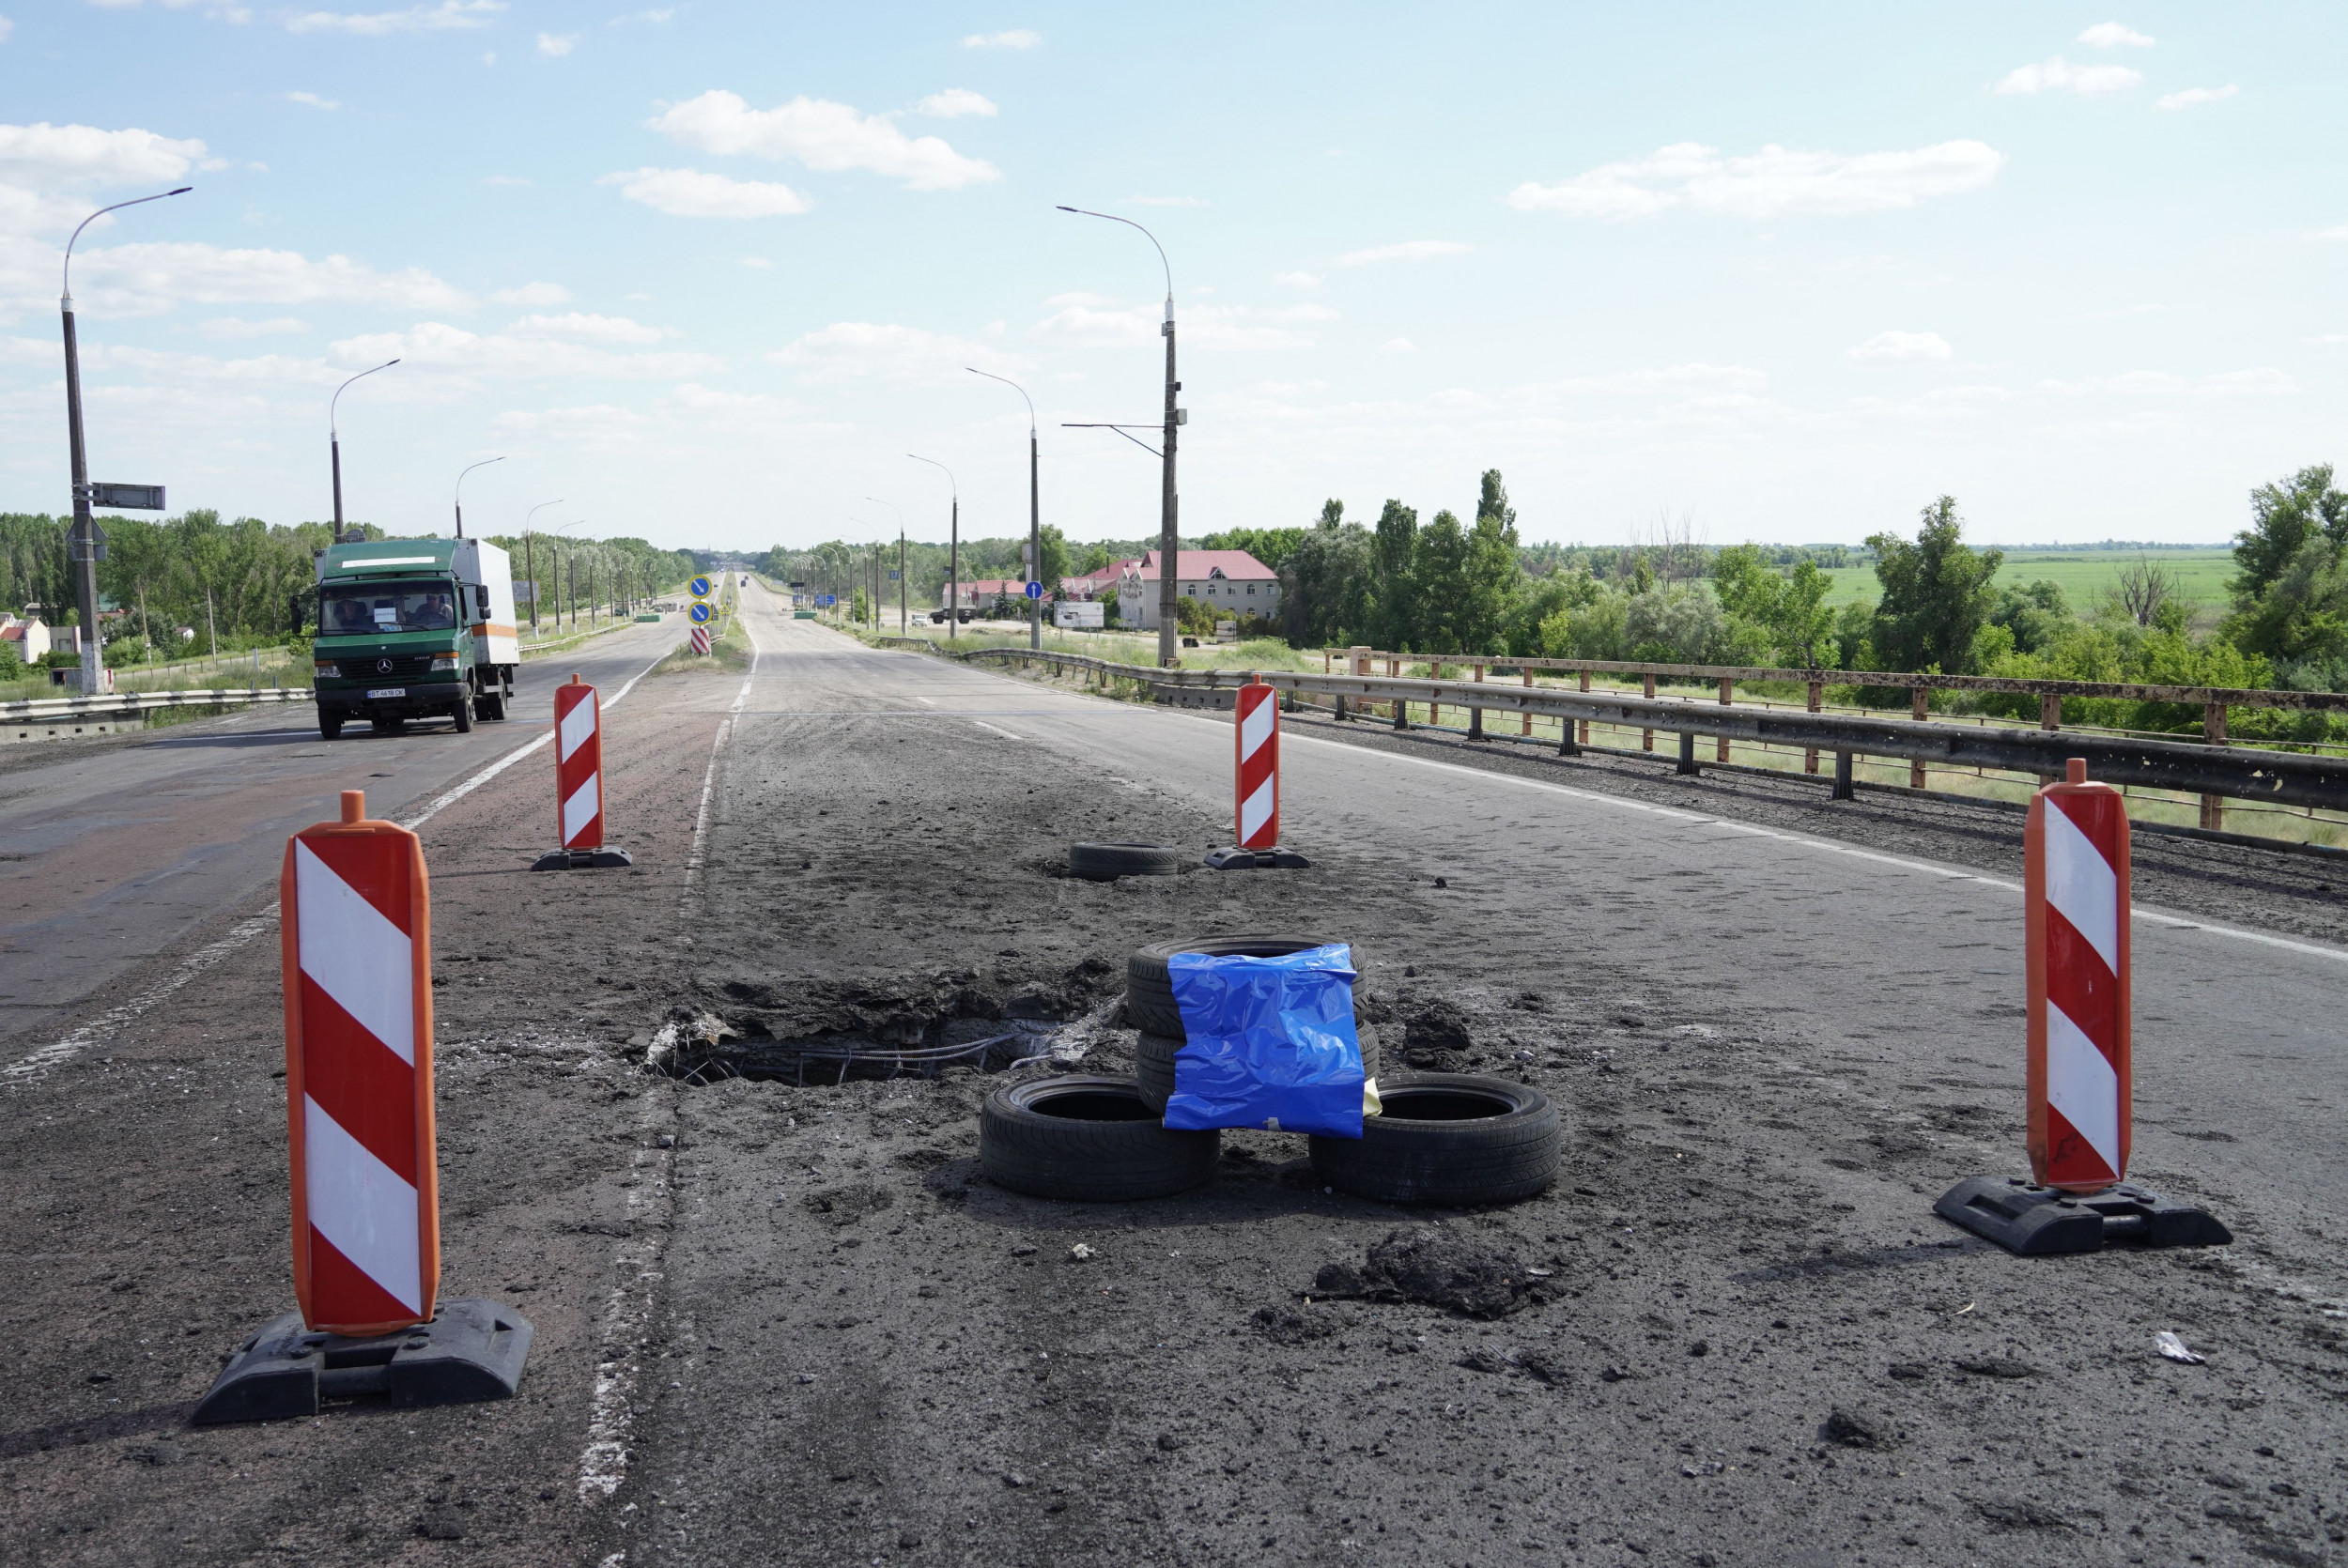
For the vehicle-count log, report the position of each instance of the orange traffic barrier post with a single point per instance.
(1255, 784)
(578, 799)
(356, 911)
(2079, 1070)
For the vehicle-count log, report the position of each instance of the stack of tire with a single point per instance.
(1449, 1139)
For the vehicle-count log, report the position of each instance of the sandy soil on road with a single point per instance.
(809, 1332)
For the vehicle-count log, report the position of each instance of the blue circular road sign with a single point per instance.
(700, 587)
(1035, 591)
(699, 613)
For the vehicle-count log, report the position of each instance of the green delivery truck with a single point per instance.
(414, 628)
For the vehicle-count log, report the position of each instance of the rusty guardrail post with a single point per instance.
(1475, 714)
(1919, 709)
(1688, 753)
(2049, 717)
(1817, 702)
(1647, 737)
(1528, 712)
(1728, 696)
(2213, 733)
(1585, 723)
(1843, 788)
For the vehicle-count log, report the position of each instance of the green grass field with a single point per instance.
(2083, 575)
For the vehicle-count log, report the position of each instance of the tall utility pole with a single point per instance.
(1035, 504)
(334, 441)
(1169, 503)
(903, 625)
(953, 544)
(530, 556)
(460, 491)
(84, 541)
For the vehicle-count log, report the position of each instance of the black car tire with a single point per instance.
(1447, 1138)
(492, 703)
(330, 722)
(1150, 990)
(463, 711)
(1088, 1140)
(1153, 1063)
(1107, 862)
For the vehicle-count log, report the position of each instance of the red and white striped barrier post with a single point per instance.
(579, 782)
(1255, 783)
(356, 911)
(2080, 1077)
(1256, 753)
(2075, 888)
(358, 956)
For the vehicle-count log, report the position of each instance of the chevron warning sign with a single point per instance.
(358, 968)
(2076, 891)
(1256, 739)
(579, 765)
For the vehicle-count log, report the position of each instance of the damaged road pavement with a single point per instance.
(719, 1140)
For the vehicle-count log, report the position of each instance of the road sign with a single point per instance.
(128, 497)
(801, 583)
(1035, 591)
(701, 639)
(700, 587)
(700, 613)
(892, 573)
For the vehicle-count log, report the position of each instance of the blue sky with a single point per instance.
(708, 272)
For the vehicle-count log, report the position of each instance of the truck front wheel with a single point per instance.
(463, 711)
(330, 721)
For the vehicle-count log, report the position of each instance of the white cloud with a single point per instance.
(1398, 345)
(2194, 96)
(953, 103)
(7, 28)
(437, 347)
(153, 277)
(759, 262)
(1018, 38)
(2330, 337)
(2111, 35)
(2336, 232)
(694, 194)
(1297, 280)
(445, 16)
(1085, 321)
(2059, 75)
(1772, 183)
(515, 180)
(1408, 250)
(888, 351)
(232, 329)
(314, 100)
(584, 328)
(1891, 348)
(78, 156)
(1168, 201)
(555, 45)
(822, 135)
(536, 294)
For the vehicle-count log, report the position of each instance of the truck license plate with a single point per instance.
(387, 691)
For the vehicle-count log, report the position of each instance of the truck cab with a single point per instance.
(414, 628)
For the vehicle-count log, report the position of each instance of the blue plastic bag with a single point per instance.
(1270, 1044)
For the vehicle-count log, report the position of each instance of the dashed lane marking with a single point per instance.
(996, 728)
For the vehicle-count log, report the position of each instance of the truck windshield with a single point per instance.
(353, 608)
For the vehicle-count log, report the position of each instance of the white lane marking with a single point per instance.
(996, 728)
(105, 1023)
(626, 1320)
(918, 697)
(2155, 916)
(709, 776)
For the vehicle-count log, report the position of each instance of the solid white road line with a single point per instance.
(996, 728)
(709, 778)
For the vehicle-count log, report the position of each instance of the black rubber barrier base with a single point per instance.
(2037, 1222)
(1273, 859)
(580, 860)
(472, 1350)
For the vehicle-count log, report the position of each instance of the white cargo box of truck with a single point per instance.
(481, 562)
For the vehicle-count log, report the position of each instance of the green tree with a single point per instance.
(1937, 594)
(1325, 582)
(1396, 613)
(2284, 518)
(1493, 582)
(1774, 614)
(1439, 587)
(1492, 501)
(1053, 565)
(1271, 546)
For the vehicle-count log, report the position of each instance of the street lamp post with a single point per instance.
(901, 568)
(1169, 503)
(1035, 513)
(953, 545)
(530, 556)
(81, 539)
(334, 441)
(460, 491)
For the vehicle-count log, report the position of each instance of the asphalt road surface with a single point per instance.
(115, 848)
(787, 1322)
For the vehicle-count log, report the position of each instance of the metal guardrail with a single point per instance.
(129, 705)
(2237, 773)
